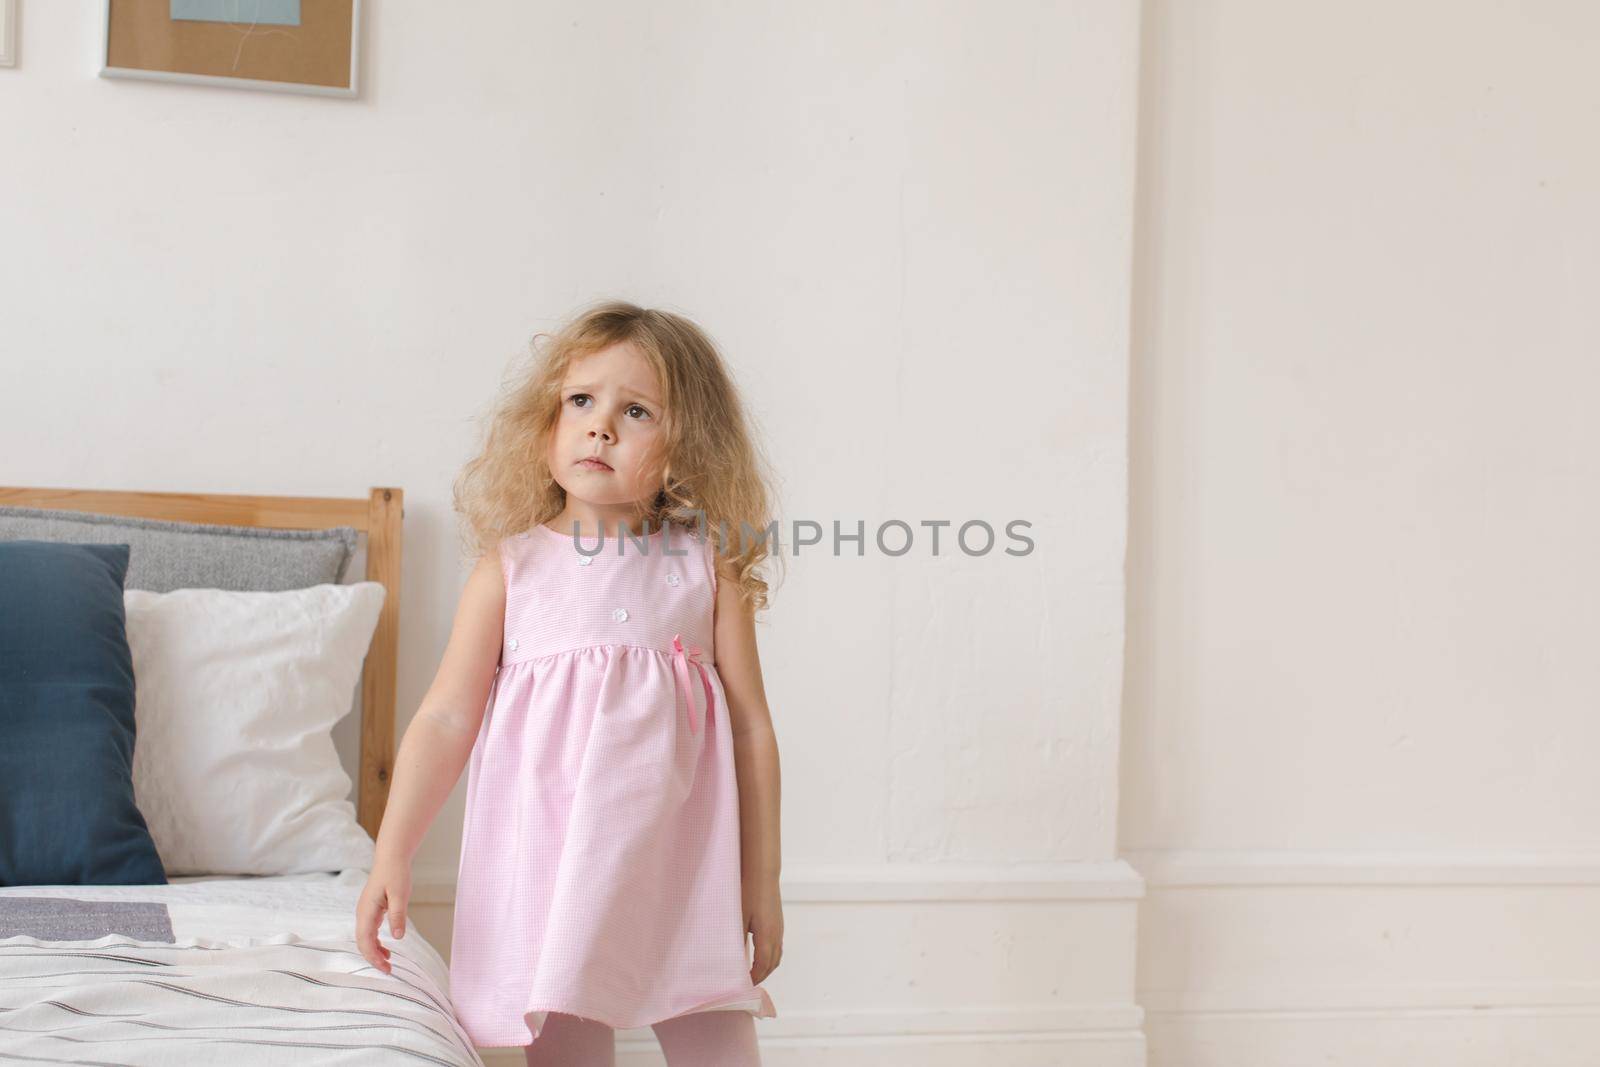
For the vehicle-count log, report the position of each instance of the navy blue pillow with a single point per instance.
(67, 815)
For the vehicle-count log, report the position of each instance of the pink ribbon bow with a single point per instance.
(681, 659)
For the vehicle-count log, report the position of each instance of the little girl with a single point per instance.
(601, 684)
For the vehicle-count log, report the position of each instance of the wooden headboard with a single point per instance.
(378, 515)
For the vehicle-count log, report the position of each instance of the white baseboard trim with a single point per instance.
(1490, 1038)
(981, 1032)
(1206, 868)
(898, 882)
(1377, 1000)
(991, 1023)
(1386, 958)
(1028, 990)
(991, 1050)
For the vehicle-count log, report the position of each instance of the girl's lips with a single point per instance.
(593, 465)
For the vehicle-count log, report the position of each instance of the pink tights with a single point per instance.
(704, 1039)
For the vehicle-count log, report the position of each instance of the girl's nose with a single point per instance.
(603, 434)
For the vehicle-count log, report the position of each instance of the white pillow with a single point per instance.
(236, 695)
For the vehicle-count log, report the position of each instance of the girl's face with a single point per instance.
(611, 411)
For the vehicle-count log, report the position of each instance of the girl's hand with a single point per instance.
(388, 889)
(763, 919)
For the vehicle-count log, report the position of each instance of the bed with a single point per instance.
(243, 969)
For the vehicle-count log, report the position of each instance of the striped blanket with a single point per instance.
(242, 971)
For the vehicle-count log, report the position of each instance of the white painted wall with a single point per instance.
(910, 227)
(1360, 722)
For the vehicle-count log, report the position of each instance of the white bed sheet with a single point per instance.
(261, 970)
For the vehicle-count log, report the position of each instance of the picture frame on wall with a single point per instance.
(8, 33)
(285, 46)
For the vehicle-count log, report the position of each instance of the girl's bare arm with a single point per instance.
(755, 755)
(440, 737)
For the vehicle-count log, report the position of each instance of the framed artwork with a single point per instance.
(290, 46)
(8, 33)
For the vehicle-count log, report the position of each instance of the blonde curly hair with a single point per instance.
(715, 478)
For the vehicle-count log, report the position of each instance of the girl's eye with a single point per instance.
(644, 412)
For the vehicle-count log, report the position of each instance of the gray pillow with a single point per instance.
(164, 556)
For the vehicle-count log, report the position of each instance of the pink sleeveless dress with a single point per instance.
(599, 871)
